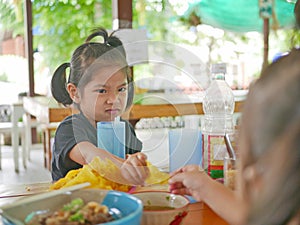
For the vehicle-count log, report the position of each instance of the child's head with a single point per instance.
(99, 82)
(269, 143)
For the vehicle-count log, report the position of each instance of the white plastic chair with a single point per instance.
(9, 117)
(7, 128)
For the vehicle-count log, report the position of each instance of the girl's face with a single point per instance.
(105, 96)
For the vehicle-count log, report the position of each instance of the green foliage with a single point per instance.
(294, 36)
(158, 20)
(7, 15)
(3, 77)
(8, 18)
(63, 25)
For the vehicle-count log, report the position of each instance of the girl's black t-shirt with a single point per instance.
(75, 129)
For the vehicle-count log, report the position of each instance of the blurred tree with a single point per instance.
(60, 26)
(11, 21)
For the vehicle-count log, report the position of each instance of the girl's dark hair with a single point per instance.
(86, 59)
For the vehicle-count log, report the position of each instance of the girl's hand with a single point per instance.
(135, 169)
(188, 181)
(187, 168)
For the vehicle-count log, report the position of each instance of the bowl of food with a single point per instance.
(86, 206)
(161, 207)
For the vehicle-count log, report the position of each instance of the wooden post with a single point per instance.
(29, 55)
(266, 10)
(29, 45)
(266, 43)
(122, 14)
(122, 18)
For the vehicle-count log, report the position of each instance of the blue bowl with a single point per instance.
(125, 208)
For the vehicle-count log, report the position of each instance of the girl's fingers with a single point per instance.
(130, 175)
(180, 170)
(135, 168)
(139, 163)
(142, 158)
(191, 168)
(178, 178)
(137, 173)
(187, 168)
(138, 159)
(175, 186)
(180, 191)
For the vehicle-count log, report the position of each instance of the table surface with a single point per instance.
(45, 109)
(199, 213)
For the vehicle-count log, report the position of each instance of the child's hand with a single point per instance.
(187, 168)
(135, 169)
(187, 181)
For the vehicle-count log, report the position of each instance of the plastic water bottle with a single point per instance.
(111, 137)
(218, 107)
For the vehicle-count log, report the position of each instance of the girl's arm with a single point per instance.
(84, 152)
(224, 202)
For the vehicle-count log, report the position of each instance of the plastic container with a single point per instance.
(111, 137)
(184, 147)
(218, 107)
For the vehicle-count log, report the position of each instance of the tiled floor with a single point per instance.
(35, 171)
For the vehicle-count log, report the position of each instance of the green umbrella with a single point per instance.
(244, 16)
(241, 15)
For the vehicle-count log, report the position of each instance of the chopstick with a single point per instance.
(46, 195)
(20, 195)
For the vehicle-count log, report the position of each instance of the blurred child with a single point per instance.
(268, 181)
(100, 87)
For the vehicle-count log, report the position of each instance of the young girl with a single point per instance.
(100, 87)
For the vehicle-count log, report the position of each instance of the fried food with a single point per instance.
(156, 176)
(88, 174)
(104, 174)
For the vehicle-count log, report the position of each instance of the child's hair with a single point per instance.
(271, 127)
(86, 60)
